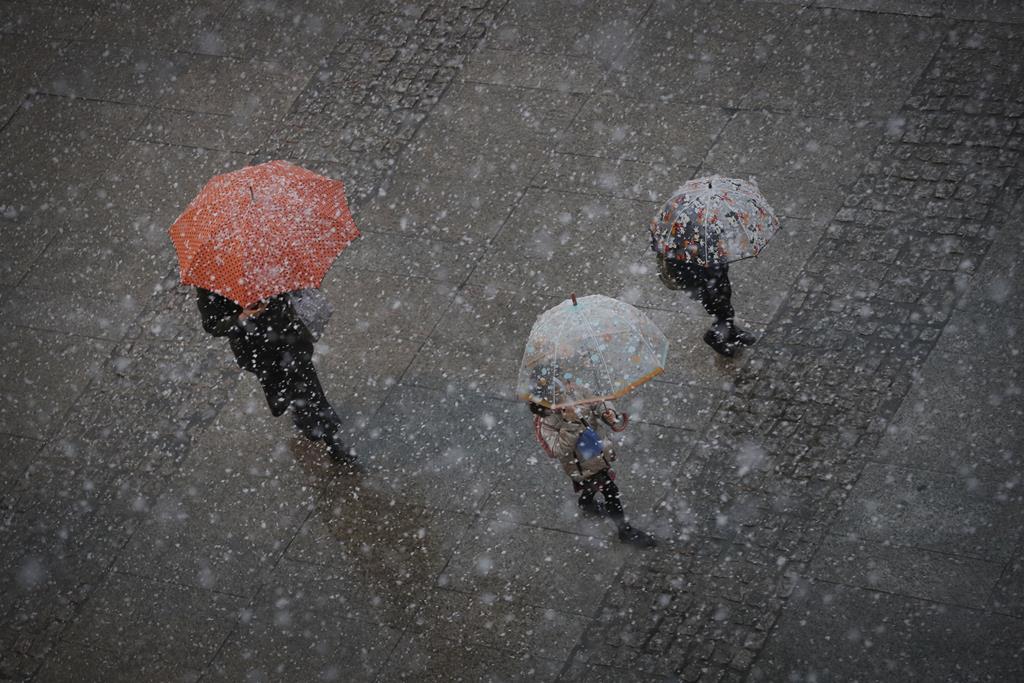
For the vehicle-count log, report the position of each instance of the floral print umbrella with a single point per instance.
(588, 350)
(714, 220)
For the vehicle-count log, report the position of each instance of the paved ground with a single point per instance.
(842, 502)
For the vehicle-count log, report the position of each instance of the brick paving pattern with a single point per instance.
(366, 101)
(836, 363)
(374, 90)
(155, 525)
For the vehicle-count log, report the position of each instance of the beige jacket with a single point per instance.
(558, 436)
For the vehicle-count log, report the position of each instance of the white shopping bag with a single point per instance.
(313, 309)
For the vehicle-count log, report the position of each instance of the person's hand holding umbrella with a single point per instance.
(252, 310)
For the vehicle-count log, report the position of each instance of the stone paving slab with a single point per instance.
(489, 620)
(459, 142)
(443, 450)
(46, 21)
(398, 253)
(189, 26)
(76, 662)
(42, 373)
(223, 520)
(594, 29)
(837, 632)
(428, 657)
(620, 178)
(384, 305)
(1002, 11)
(354, 394)
(246, 89)
(80, 313)
(805, 163)
(707, 53)
(759, 284)
(932, 511)
(561, 73)
(22, 64)
(618, 128)
(18, 451)
(485, 203)
(223, 132)
(592, 235)
(77, 135)
(299, 33)
(921, 430)
(1008, 595)
(942, 577)
(534, 566)
(297, 628)
(140, 622)
(917, 8)
(386, 554)
(130, 75)
(481, 322)
(856, 64)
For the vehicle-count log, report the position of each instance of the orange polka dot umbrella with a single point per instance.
(263, 230)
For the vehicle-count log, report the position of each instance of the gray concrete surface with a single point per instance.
(840, 502)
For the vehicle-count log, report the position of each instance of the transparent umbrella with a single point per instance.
(587, 350)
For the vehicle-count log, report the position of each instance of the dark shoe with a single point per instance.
(338, 450)
(742, 337)
(591, 507)
(628, 534)
(720, 344)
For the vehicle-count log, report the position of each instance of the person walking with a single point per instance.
(707, 224)
(270, 341)
(709, 284)
(575, 437)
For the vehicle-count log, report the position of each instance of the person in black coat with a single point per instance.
(270, 341)
(710, 285)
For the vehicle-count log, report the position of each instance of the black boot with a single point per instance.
(338, 450)
(742, 337)
(720, 342)
(627, 534)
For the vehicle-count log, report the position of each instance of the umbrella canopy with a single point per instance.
(714, 220)
(587, 350)
(263, 230)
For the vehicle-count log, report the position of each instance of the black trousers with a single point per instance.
(292, 382)
(603, 484)
(710, 286)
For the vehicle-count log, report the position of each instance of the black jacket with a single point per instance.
(261, 344)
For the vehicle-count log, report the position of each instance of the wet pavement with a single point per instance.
(842, 501)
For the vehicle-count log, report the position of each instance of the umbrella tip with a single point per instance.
(573, 297)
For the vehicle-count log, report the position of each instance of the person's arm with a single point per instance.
(220, 315)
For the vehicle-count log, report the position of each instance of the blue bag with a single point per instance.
(589, 444)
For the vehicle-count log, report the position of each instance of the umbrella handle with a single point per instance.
(621, 424)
